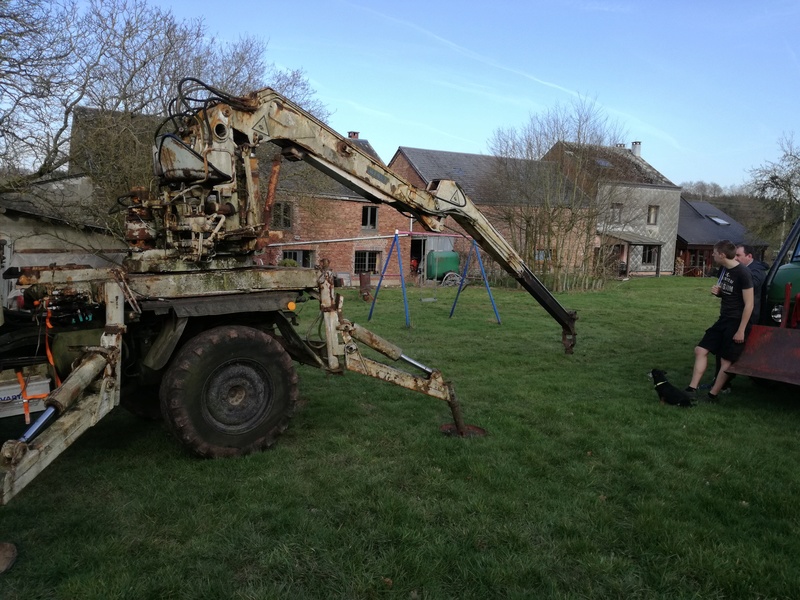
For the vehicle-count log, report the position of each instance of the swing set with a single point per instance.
(462, 282)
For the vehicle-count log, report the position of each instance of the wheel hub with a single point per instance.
(237, 396)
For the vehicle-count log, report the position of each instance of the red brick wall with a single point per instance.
(317, 219)
(400, 165)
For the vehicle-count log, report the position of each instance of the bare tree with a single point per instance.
(702, 190)
(120, 61)
(779, 182)
(552, 215)
(41, 81)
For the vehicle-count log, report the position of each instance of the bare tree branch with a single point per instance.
(551, 220)
(779, 182)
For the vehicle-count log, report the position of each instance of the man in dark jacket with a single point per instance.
(758, 272)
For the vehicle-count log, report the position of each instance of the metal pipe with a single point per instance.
(38, 426)
(354, 239)
(65, 395)
(419, 365)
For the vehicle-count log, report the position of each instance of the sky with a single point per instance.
(708, 87)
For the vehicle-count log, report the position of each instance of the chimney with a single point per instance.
(636, 148)
(353, 135)
(620, 145)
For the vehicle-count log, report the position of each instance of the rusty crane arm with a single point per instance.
(227, 127)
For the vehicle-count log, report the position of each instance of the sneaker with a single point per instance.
(711, 398)
(690, 391)
(726, 390)
(705, 386)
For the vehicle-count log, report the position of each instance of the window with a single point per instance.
(616, 213)
(369, 217)
(718, 220)
(281, 215)
(366, 261)
(652, 215)
(303, 258)
(543, 255)
(649, 255)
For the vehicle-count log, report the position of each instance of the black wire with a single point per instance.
(195, 96)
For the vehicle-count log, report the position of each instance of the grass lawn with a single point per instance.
(584, 487)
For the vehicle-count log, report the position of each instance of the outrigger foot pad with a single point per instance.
(467, 431)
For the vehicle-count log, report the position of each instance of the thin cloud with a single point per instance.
(594, 6)
(466, 52)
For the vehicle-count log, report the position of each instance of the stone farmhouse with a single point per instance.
(638, 225)
(637, 218)
(640, 206)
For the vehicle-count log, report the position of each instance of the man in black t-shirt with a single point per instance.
(725, 338)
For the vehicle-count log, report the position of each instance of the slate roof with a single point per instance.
(703, 224)
(302, 179)
(366, 148)
(618, 164)
(468, 170)
(489, 179)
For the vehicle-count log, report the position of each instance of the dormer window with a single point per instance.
(718, 220)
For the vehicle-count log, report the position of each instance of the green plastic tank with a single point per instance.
(438, 264)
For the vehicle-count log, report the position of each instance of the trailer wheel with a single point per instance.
(229, 391)
(451, 279)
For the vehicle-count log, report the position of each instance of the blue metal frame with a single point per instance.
(395, 242)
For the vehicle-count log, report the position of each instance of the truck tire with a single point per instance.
(229, 391)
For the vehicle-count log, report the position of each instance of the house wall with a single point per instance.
(566, 247)
(635, 201)
(317, 219)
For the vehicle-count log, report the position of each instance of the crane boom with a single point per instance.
(212, 152)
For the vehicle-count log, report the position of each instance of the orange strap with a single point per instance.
(49, 325)
(25, 397)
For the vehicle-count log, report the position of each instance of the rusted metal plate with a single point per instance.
(218, 283)
(771, 353)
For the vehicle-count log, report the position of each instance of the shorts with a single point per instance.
(718, 339)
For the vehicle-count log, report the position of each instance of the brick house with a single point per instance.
(316, 218)
(501, 188)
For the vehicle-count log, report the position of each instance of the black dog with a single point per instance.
(667, 392)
